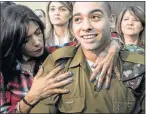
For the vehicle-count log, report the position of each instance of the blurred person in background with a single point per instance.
(59, 19)
(131, 28)
(41, 14)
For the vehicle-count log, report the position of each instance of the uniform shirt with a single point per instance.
(83, 96)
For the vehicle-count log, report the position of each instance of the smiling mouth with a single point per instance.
(91, 36)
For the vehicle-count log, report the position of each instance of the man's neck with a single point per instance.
(92, 55)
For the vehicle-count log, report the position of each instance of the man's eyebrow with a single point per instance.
(92, 11)
(96, 10)
(76, 14)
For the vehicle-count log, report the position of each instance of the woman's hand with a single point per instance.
(46, 86)
(104, 64)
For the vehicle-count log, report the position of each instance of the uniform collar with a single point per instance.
(64, 52)
(78, 59)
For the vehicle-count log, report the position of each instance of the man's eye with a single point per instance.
(77, 20)
(95, 18)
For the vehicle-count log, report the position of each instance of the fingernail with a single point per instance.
(70, 74)
(107, 86)
(97, 78)
(92, 80)
(99, 87)
(61, 66)
(71, 80)
(41, 67)
(67, 91)
(93, 66)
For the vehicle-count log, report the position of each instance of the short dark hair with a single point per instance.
(107, 8)
(41, 11)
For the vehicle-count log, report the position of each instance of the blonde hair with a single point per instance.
(50, 32)
(138, 13)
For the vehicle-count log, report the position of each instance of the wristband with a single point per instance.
(30, 105)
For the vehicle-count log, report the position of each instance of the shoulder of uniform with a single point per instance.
(133, 68)
(61, 55)
(133, 57)
(64, 52)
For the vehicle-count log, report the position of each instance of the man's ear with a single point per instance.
(113, 20)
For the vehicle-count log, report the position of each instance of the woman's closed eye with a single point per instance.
(38, 32)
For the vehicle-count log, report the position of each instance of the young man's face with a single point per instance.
(91, 24)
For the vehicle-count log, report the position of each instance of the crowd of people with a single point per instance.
(80, 64)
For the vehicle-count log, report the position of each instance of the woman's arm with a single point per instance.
(104, 64)
(42, 87)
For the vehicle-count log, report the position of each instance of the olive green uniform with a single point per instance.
(83, 97)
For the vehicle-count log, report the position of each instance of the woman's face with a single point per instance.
(34, 44)
(130, 24)
(58, 14)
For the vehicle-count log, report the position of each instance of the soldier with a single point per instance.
(91, 26)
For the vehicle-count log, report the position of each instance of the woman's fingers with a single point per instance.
(97, 68)
(54, 72)
(108, 77)
(40, 72)
(62, 83)
(59, 91)
(95, 72)
(102, 76)
(63, 76)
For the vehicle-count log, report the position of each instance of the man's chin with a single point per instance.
(91, 48)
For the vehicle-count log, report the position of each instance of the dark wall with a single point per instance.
(118, 6)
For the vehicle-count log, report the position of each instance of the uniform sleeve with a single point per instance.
(8, 101)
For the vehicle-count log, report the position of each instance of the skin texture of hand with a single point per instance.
(45, 86)
(104, 64)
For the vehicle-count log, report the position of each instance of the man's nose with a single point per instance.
(87, 25)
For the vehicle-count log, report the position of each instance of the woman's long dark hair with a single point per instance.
(14, 28)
